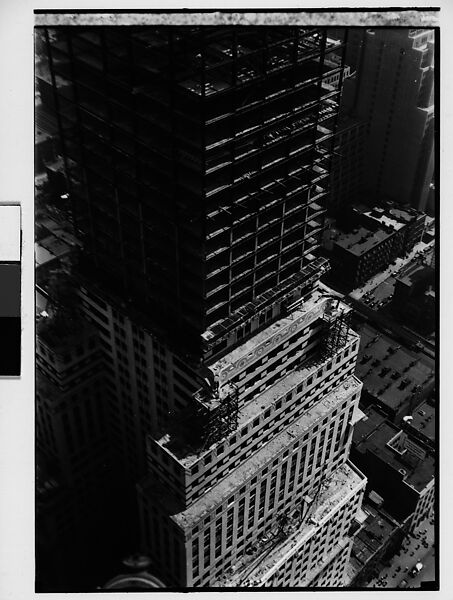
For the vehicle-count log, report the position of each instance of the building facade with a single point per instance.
(346, 179)
(393, 92)
(74, 470)
(197, 162)
(375, 237)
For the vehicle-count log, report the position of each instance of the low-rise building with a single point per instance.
(378, 236)
(378, 538)
(405, 219)
(399, 469)
(361, 253)
(421, 425)
(414, 299)
(394, 378)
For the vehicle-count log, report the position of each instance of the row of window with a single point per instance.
(293, 468)
(298, 566)
(210, 473)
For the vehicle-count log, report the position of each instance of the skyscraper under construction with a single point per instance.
(197, 160)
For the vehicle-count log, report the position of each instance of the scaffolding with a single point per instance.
(219, 420)
(336, 324)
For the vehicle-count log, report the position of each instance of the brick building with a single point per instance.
(374, 238)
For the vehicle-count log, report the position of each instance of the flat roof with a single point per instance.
(398, 214)
(376, 530)
(384, 217)
(361, 240)
(424, 420)
(374, 438)
(384, 373)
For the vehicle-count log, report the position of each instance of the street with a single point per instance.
(428, 573)
(415, 548)
(398, 265)
(390, 327)
(385, 321)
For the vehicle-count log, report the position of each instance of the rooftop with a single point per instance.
(394, 218)
(389, 371)
(361, 240)
(375, 532)
(373, 433)
(424, 421)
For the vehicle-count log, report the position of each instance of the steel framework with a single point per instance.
(335, 331)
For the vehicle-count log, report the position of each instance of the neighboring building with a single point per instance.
(393, 377)
(378, 538)
(393, 92)
(146, 381)
(397, 467)
(360, 254)
(414, 299)
(378, 237)
(75, 484)
(346, 180)
(421, 425)
(405, 219)
(229, 368)
(346, 183)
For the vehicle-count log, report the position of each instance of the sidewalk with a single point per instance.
(379, 278)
